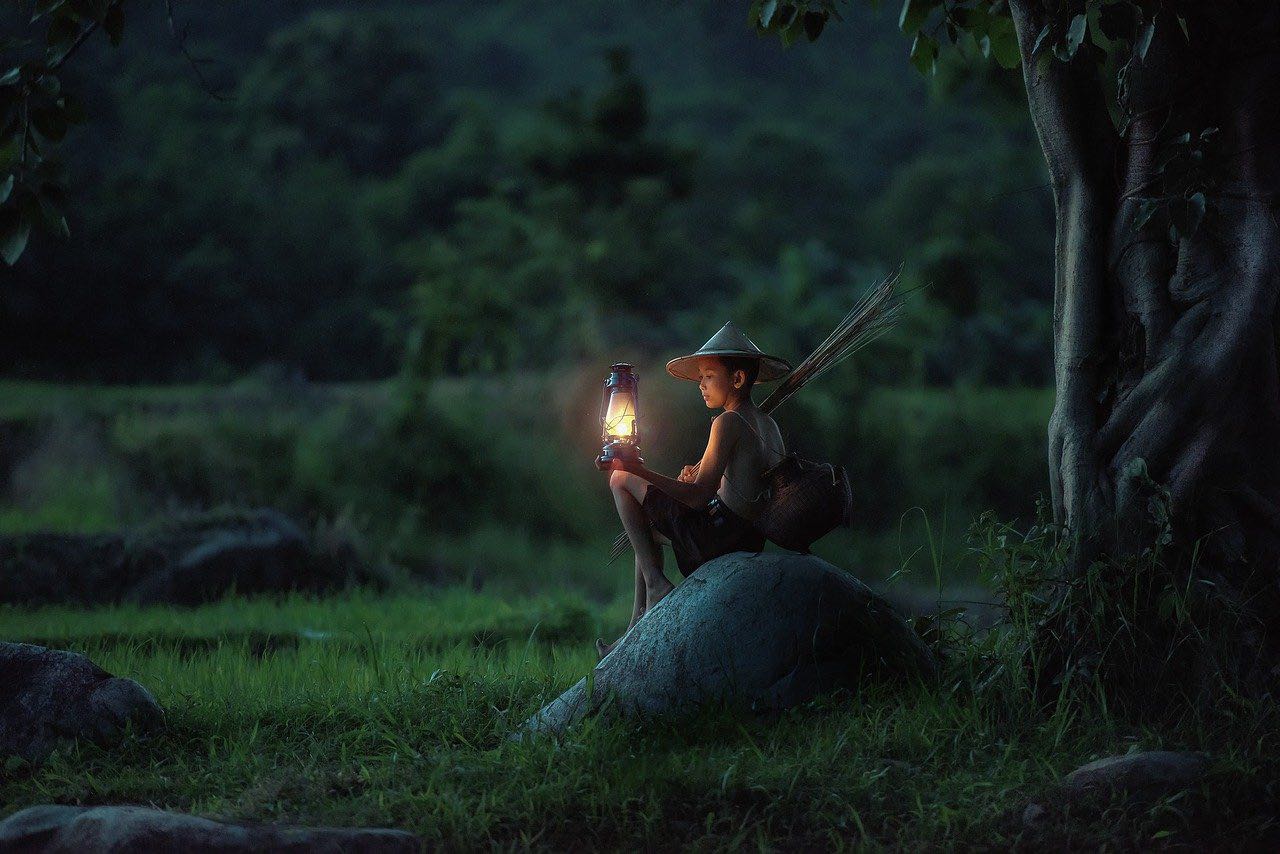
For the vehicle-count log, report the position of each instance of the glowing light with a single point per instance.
(620, 419)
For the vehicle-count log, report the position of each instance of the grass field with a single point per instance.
(393, 711)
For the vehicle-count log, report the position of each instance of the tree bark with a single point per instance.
(1165, 343)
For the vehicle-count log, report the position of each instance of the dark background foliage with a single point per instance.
(475, 187)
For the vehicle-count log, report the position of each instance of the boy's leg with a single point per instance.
(637, 611)
(641, 601)
(637, 605)
(628, 495)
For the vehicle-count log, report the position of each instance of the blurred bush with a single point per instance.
(487, 475)
(968, 448)
(410, 465)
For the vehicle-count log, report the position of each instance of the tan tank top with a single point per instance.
(741, 486)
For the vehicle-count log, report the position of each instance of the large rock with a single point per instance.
(51, 695)
(764, 631)
(71, 830)
(183, 561)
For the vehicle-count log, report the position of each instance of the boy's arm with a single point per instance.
(724, 433)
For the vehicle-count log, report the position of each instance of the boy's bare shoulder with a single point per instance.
(726, 421)
(730, 423)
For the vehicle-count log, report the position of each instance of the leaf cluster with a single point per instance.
(788, 21)
(1178, 189)
(983, 26)
(35, 114)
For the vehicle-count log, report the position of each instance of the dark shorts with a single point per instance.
(699, 534)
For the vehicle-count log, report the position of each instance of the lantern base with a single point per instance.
(623, 451)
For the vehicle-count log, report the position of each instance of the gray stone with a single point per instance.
(55, 829)
(253, 552)
(183, 561)
(760, 631)
(1151, 772)
(52, 695)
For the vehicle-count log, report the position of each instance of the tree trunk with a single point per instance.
(1167, 415)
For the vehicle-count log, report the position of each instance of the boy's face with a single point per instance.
(716, 383)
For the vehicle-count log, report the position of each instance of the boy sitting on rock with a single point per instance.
(711, 509)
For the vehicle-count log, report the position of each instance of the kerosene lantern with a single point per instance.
(618, 416)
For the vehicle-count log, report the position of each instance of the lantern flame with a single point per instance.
(620, 419)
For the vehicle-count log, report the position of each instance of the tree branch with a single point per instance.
(180, 39)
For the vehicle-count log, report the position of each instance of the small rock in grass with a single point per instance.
(1033, 814)
(1151, 772)
(56, 829)
(51, 695)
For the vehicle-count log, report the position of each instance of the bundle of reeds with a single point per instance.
(872, 315)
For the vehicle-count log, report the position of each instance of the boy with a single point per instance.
(710, 511)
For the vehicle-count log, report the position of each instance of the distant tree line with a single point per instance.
(351, 189)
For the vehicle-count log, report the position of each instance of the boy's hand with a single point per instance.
(623, 465)
(687, 475)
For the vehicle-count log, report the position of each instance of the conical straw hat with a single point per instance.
(729, 341)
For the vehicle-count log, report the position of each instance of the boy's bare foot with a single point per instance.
(655, 594)
(603, 649)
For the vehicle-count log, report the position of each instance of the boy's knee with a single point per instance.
(617, 480)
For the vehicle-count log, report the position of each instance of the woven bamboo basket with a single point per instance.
(807, 500)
